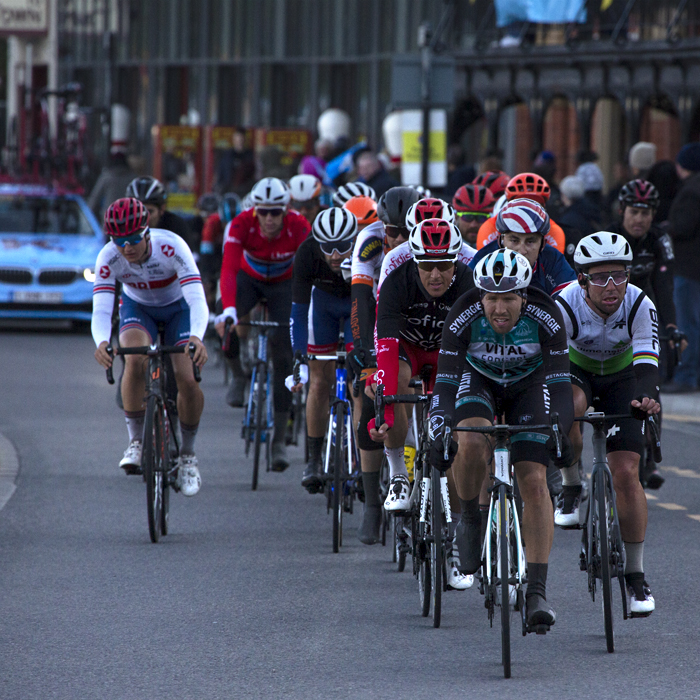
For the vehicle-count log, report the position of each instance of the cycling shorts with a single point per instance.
(524, 401)
(418, 358)
(325, 314)
(612, 393)
(176, 317)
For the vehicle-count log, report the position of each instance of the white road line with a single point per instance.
(689, 473)
(9, 468)
(695, 517)
(671, 506)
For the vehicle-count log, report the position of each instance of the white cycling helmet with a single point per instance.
(502, 271)
(270, 192)
(304, 187)
(429, 208)
(423, 191)
(334, 225)
(435, 240)
(247, 202)
(602, 247)
(353, 189)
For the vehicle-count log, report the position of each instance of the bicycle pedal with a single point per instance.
(538, 629)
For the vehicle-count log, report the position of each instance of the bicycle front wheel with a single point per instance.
(338, 463)
(153, 465)
(259, 377)
(436, 546)
(603, 532)
(504, 574)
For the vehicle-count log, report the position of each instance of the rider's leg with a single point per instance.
(629, 495)
(396, 437)
(190, 401)
(320, 383)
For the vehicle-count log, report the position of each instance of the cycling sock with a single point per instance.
(536, 580)
(634, 559)
(470, 511)
(397, 466)
(370, 481)
(134, 424)
(570, 476)
(315, 446)
(188, 434)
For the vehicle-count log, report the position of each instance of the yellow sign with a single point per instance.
(413, 146)
(182, 202)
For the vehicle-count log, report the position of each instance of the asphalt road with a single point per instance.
(245, 598)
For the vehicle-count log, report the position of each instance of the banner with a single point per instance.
(540, 11)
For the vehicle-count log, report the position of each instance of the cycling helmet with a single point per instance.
(209, 202)
(429, 208)
(395, 203)
(334, 225)
(422, 191)
(522, 216)
(435, 240)
(229, 207)
(364, 208)
(147, 190)
(247, 202)
(269, 192)
(304, 187)
(529, 186)
(125, 217)
(639, 193)
(602, 247)
(502, 271)
(495, 180)
(353, 189)
(473, 198)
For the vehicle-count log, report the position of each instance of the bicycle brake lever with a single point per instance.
(554, 419)
(110, 374)
(655, 439)
(447, 437)
(379, 407)
(197, 374)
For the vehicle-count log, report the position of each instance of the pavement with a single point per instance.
(681, 407)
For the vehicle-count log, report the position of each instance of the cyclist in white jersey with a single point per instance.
(161, 283)
(613, 338)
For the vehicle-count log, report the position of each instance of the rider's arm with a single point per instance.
(211, 234)
(555, 357)
(103, 290)
(662, 280)
(234, 240)
(557, 271)
(644, 329)
(365, 257)
(302, 285)
(192, 289)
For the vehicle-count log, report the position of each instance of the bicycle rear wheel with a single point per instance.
(338, 462)
(602, 532)
(436, 546)
(504, 575)
(153, 465)
(259, 377)
(424, 580)
(171, 456)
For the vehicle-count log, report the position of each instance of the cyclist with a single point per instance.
(353, 189)
(161, 283)
(259, 250)
(473, 205)
(152, 193)
(320, 299)
(426, 208)
(612, 330)
(525, 186)
(367, 256)
(411, 310)
(503, 351)
(365, 210)
(305, 191)
(522, 226)
(494, 180)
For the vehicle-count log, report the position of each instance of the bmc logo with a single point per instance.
(104, 272)
(168, 251)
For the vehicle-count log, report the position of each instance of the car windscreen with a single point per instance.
(42, 215)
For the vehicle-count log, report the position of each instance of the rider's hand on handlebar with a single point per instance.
(220, 320)
(437, 454)
(670, 328)
(200, 353)
(301, 371)
(359, 359)
(381, 434)
(102, 356)
(644, 406)
(567, 450)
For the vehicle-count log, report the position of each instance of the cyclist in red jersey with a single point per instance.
(259, 249)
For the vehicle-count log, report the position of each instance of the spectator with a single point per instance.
(664, 177)
(236, 168)
(579, 217)
(684, 220)
(621, 175)
(458, 172)
(372, 172)
(642, 156)
(545, 165)
(593, 183)
(316, 164)
(110, 184)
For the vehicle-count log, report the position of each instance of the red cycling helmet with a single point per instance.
(429, 208)
(495, 180)
(639, 193)
(530, 186)
(125, 217)
(475, 199)
(435, 240)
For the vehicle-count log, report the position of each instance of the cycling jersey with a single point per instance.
(396, 257)
(264, 259)
(535, 346)
(551, 272)
(487, 234)
(168, 274)
(312, 272)
(212, 235)
(601, 346)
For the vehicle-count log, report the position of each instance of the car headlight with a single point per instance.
(89, 274)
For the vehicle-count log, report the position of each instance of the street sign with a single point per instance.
(23, 17)
(412, 123)
(406, 81)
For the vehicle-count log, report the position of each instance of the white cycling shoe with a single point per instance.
(188, 478)
(131, 461)
(399, 494)
(456, 580)
(640, 601)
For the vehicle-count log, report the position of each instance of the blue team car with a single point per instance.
(49, 241)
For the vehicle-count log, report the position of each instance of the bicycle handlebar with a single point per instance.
(264, 324)
(152, 351)
(651, 421)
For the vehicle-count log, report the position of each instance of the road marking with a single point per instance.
(689, 473)
(671, 506)
(682, 418)
(695, 517)
(9, 468)
(651, 497)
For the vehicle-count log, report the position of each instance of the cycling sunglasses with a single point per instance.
(601, 279)
(132, 240)
(470, 216)
(395, 231)
(277, 211)
(340, 247)
(442, 265)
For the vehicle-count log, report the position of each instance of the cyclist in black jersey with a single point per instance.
(503, 351)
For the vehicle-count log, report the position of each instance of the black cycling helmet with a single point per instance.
(147, 190)
(209, 202)
(639, 193)
(394, 203)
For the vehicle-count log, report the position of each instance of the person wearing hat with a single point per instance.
(641, 157)
(684, 221)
